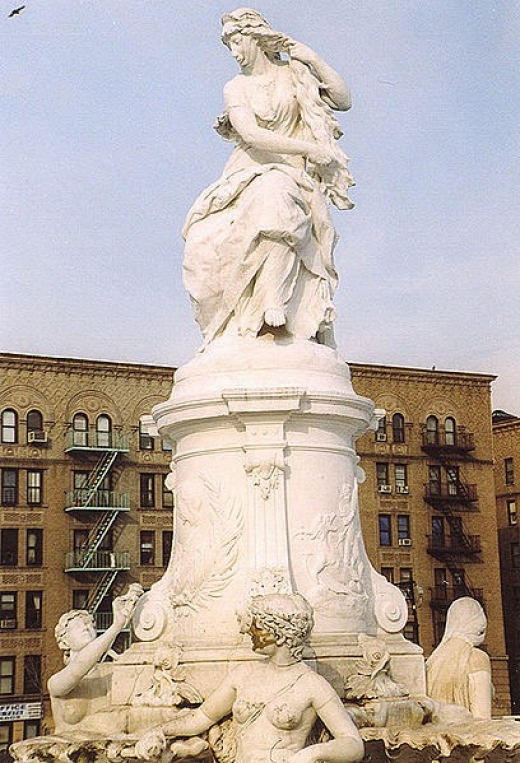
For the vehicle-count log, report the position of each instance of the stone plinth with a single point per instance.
(265, 474)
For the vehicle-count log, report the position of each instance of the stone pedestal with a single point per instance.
(266, 475)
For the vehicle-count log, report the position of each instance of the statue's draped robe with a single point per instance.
(268, 197)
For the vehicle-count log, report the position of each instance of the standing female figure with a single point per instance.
(259, 241)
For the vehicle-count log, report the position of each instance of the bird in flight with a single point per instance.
(16, 11)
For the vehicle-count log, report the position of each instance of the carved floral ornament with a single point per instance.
(265, 468)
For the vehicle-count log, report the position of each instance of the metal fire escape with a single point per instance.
(100, 507)
(450, 497)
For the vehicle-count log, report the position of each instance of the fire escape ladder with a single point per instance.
(100, 590)
(454, 478)
(96, 535)
(97, 475)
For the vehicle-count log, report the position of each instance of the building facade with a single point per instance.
(506, 435)
(85, 511)
(428, 503)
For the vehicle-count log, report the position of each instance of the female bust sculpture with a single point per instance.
(259, 241)
(457, 671)
(275, 702)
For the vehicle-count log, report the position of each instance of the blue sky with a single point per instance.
(106, 139)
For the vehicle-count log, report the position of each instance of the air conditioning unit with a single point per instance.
(385, 488)
(4, 624)
(380, 436)
(403, 489)
(37, 437)
(405, 541)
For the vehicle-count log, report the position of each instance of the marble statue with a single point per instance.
(259, 241)
(458, 671)
(80, 692)
(274, 701)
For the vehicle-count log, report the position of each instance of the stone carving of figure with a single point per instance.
(80, 692)
(259, 241)
(457, 671)
(275, 701)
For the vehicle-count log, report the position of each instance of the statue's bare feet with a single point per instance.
(275, 316)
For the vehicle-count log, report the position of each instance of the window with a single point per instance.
(382, 475)
(8, 547)
(7, 675)
(31, 729)
(439, 624)
(403, 526)
(165, 445)
(453, 480)
(147, 491)
(438, 532)
(34, 422)
(450, 429)
(406, 575)
(147, 547)
(145, 441)
(34, 548)
(33, 609)
(9, 426)
(80, 427)
(104, 431)
(34, 487)
(398, 427)
(7, 610)
(385, 530)
(401, 478)
(167, 495)
(434, 480)
(441, 582)
(509, 467)
(80, 598)
(9, 487)
(167, 542)
(388, 573)
(515, 555)
(6, 737)
(511, 512)
(381, 430)
(32, 674)
(432, 430)
(459, 582)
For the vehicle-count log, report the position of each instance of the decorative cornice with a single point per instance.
(81, 366)
(413, 374)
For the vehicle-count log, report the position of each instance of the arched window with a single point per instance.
(398, 427)
(381, 430)
(34, 423)
(104, 431)
(450, 428)
(432, 430)
(80, 427)
(9, 426)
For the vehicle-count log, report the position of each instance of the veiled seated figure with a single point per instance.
(457, 671)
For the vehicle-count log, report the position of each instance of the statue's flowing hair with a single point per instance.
(287, 616)
(318, 119)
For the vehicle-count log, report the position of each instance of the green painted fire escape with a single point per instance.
(102, 508)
